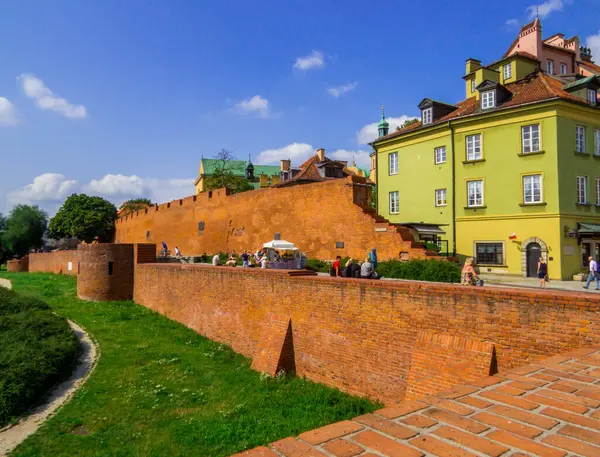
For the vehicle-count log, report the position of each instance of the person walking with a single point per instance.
(246, 259)
(177, 252)
(164, 248)
(593, 274)
(373, 258)
(337, 266)
(542, 271)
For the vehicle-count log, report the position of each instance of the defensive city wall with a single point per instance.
(384, 339)
(322, 219)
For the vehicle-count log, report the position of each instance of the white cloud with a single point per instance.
(512, 22)
(254, 105)
(369, 132)
(36, 89)
(341, 90)
(50, 189)
(593, 42)
(361, 157)
(47, 187)
(297, 152)
(543, 10)
(8, 115)
(315, 59)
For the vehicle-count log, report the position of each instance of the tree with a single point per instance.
(224, 174)
(85, 218)
(408, 122)
(24, 230)
(3, 250)
(133, 205)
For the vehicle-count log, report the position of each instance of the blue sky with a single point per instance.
(121, 98)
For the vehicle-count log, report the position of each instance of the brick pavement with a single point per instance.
(550, 409)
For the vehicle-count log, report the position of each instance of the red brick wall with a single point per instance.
(313, 216)
(359, 335)
(96, 281)
(54, 262)
(18, 265)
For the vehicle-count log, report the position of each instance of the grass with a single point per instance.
(161, 389)
(38, 348)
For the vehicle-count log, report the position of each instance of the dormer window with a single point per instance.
(592, 96)
(473, 85)
(507, 71)
(427, 116)
(488, 99)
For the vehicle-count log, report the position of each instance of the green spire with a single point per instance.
(384, 126)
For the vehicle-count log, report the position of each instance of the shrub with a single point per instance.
(421, 270)
(37, 349)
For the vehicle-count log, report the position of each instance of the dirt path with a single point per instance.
(12, 436)
(5, 283)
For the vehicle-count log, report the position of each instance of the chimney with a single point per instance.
(472, 65)
(286, 164)
(321, 154)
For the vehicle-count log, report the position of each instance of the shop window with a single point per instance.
(489, 253)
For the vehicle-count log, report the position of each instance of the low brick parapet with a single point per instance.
(550, 408)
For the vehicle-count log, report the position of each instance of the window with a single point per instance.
(550, 67)
(110, 267)
(473, 85)
(394, 207)
(474, 147)
(532, 189)
(597, 191)
(563, 69)
(489, 253)
(580, 138)
(427, 116)
(582, 189)
(393, 159)
(334, 172)
(591, 96)
(440, 197)
(531, 138)
(475, 193)
(597, 141)
(507, 70)
(440, 153)
(488, 99)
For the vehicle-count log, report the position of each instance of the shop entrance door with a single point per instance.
(534, 252)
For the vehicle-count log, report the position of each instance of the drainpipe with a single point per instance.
(453, 188)
(376, 180)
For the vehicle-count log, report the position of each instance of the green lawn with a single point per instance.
(161, 389)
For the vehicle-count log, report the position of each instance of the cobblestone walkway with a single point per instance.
(550, 409)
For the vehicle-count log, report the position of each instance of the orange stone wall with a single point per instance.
(105, 271)
(17, 265)
(56, 262)
(313, 216)
(360, 335)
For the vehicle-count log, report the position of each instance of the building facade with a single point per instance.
(260, 176)
(508, 175)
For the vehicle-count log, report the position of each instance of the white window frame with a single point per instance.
(394, 209)
(441, 197)
(533, 200)
(488, 99)
(580, 139)
(474, 152)
(564, 69)
(507, 71)
(592, 96)
(473, 85)
(475, 203)
(528, 135)
(393, 163)
(550, 66)
(582, 193)
(427, 116)
(597, 142)
(597, 191)
(438, 153)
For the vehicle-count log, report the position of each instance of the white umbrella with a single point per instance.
(281, 245)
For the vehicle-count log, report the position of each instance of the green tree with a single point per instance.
(3, 250)
(408, 122)
(85, 218)
(135, 204)
(224, 174)
(24, 230)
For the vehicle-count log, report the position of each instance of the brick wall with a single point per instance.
(105, 272)
(54, 262)
(359, 335)
(18, 265)
(313, 216)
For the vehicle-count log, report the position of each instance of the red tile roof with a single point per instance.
(590, 66)
(537, 87)
(308, 172)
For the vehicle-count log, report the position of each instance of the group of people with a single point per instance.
(469, 276)
(352, 269)
(165, 251)
(249, 260)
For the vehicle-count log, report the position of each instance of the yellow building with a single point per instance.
(507, 176)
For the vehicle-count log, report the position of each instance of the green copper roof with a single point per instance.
(240, 168)
(579, 82)
(365, 171)
(383, 123)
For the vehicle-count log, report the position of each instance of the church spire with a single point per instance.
(384, 126)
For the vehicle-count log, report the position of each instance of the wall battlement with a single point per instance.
(323, 219)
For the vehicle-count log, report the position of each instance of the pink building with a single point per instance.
(556, 54)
